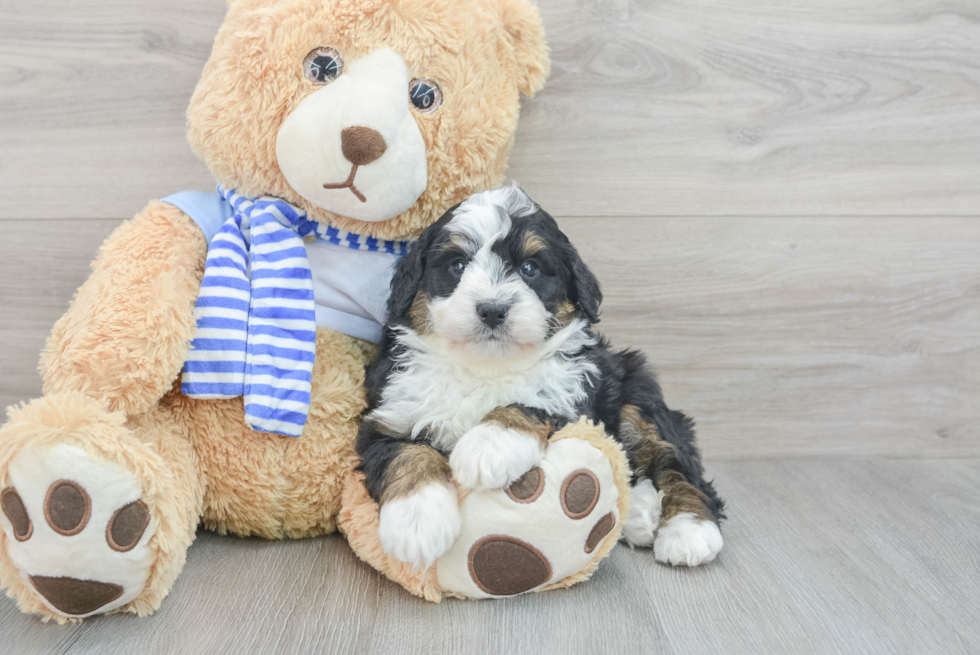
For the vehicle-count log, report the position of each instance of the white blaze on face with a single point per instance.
(372, 93)
(482, 221)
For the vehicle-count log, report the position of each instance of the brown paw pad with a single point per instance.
(602, 527)
(67, 507)
(13, 508)
(579, 493)
(76, 597)
(528, 487)
(504, 566)
(127, 525)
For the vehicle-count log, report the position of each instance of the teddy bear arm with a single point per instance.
(127, 332)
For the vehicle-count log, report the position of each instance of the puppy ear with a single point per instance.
(588, 295)
(405, 282)
(408, 273)
(526, 35)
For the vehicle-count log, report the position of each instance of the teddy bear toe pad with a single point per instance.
(79, 530)
(545, 527)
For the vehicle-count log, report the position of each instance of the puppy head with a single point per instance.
(494, 277)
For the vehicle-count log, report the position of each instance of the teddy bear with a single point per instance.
(210, 371)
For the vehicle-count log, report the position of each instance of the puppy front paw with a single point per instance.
(686, 540)
(418, 528)
(489, 456)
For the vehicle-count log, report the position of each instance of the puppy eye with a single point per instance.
(458, 266)
(425, 95)
(529, 269)
(322, 66)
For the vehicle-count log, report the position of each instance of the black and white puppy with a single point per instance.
(488, 350)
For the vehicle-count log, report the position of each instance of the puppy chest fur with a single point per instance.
(435, 393)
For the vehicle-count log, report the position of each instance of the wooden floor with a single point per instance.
(783, 203)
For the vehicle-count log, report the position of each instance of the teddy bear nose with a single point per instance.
(362, 145)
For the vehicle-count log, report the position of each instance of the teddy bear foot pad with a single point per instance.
(77, 530)
(543, 529)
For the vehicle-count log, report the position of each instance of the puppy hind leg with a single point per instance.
(644, 517)
(687, 531)
(688, 534)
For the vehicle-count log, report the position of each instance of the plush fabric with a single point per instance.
(483, 52)
(351, 273)
(497, 515)
(112, 364)
(256, 313)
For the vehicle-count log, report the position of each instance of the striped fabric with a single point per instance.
(256, 319)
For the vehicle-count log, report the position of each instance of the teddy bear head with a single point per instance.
(372, 115)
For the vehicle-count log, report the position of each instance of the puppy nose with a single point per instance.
(362, 145)
(491, 314)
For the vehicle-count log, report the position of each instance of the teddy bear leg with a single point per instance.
(97, 512)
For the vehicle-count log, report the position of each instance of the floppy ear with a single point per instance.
(526, 34)
(405, 283)
(588, 295)
(408, 273)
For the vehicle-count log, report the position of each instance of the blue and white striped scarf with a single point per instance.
(256, 318)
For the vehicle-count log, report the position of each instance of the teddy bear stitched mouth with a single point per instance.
(348, 184)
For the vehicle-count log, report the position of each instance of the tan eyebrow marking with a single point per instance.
(533, 244)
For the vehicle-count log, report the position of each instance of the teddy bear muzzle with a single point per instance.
(361, 146)
(353, 147)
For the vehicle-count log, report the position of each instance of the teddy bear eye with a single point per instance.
(425, 95)
(322, 66)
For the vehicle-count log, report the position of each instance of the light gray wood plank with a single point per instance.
(41, 265)
(749, 107)
(814, 563)
(781, 336)
(26, 635)
(800, 337)
(821, 556)
(610, 613)
(253, 596)
(717, 107)
(833, 556)
(92, 102)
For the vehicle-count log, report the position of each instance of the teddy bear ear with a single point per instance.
(251, 4)
(526, 33)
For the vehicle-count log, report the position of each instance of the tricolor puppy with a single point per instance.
(488, 350)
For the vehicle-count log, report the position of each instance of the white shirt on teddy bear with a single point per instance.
(350, 287)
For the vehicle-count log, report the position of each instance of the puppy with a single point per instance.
(489, 349)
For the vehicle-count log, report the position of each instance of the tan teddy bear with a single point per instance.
(337, 130)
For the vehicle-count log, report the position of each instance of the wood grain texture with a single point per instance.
(92, 102)
(781, 336)
(672, 108)
(797, 336)
(821, 556)
(743, 176)
(42, 264)
(749, 107)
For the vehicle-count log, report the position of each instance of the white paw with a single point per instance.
(686, 540)
(549, 525)
(644, 517)
(417, 529)
(491, 457)
(76, 530)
